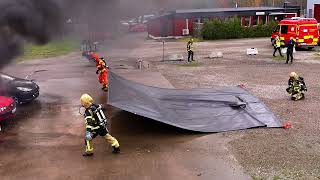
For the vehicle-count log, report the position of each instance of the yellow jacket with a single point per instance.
(277, 42)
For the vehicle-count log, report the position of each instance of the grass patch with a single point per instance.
(257, 178)
(193, 64)
(279, 58)
(187, 39)
(276, 178)
(52, 49)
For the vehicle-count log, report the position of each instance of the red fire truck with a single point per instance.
(303, 30)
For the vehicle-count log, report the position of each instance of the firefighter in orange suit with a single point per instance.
(102, 70)
(96, 124)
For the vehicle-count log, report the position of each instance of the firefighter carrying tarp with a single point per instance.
(96, 124)
(102, 70)
(297, 87)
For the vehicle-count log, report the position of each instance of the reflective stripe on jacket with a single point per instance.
(278, 42)
(189, 46)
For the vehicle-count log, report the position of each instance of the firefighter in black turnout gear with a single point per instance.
(96, 124)
(190, 50)
(290, 50)
(297, 87)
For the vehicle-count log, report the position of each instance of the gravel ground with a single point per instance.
(264, 153)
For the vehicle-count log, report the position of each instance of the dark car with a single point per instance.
(21, 90)
(7, 108)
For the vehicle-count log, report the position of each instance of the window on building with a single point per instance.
(255, 20)
(262, 20)
(205, 20)
(246, 21)
(292, 29)
(284, 29)
(276, 29)
(274, 18)
(197, 20)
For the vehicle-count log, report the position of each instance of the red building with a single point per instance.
(313, 9)
(183, 22)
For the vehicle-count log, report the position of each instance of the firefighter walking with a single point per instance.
(96, 124)
(190, 50)
(277, 46)
(297, 86)
(290, 50)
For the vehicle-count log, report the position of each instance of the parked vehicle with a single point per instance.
(138, 24)
(303, 30)
(138, 28)
(21, 90)
(7, 108)
(319, 34)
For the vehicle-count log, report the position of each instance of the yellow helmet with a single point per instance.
(294, 75)
(86, 100)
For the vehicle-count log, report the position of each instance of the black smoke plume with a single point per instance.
(36, 21)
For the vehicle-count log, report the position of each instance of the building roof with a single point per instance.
(183, 11)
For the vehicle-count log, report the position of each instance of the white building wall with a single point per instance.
(310, 7)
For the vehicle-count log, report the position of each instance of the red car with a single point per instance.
(137, 28)
(7, 108)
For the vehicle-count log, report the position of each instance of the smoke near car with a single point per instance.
(36, 21)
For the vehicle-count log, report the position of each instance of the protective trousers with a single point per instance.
(104, 133)
(103, 78)
(297, 94)
(190, 55)
(110, 139)
(289, 55)
(277, 49)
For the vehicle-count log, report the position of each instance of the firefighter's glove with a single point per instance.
(289, 90)
(88, 136)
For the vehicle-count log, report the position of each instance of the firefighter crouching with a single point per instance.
(102, 70)
(96, 124)
(297, 86)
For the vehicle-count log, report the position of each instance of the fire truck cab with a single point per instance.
(303, 30)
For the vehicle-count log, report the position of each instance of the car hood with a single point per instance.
(5, 101)
(23, 83)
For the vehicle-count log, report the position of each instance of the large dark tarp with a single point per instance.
(205, 110)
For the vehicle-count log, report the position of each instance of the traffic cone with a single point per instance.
(287, 125)
(242, 85)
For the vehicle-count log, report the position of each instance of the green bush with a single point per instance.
(232, 29)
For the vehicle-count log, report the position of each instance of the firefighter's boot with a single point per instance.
(87, 154)
(89, 148)
(299, 96)
(105, 88)
(115, 150)
(114, 143)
